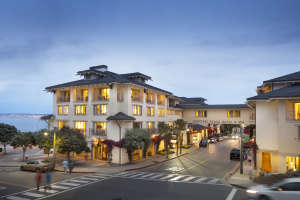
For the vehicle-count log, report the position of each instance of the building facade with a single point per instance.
(278, 124)
(87, 105)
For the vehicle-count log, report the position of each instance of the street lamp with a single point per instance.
(54, 146)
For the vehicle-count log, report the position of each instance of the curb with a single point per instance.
(76, 172)
(153, 164)
(10, 165)
(239, 186)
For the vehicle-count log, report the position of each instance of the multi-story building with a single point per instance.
(103, 103)
(278, 123)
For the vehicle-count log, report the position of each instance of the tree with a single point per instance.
(45, 141)
(165, 132)
(23, 140)
(132, 142)
(179, 127)
(145, 139)
(7, 132)
(70, 140)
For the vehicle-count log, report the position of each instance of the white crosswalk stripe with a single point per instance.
(147, 175)
(16, 198)
(135, 175)
(50, 191)
(188, 179)
(60, 187)
(201, 180)
(169, 176)
(89, 179)
(32, 194)
(80, 181)
(213, 181)
(69, 184)
(156, 176)
(176, 178)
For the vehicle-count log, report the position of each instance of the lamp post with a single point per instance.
(241, 150)
(54, 147)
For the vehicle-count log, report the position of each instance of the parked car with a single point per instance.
(220, 137)
(235, 136)
(288, 189)
(35, 165)
(235, 154)
(212, 140)
(203, 143)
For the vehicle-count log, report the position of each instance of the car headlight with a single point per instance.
(252, 191)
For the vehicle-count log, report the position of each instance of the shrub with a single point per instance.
(187, 146)
(149, 153)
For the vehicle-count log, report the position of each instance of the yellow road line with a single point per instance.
(13, 184)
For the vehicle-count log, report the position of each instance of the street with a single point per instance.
(198, 175)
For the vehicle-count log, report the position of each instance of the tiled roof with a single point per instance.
(217, 106)
(286, 92)
(120, 116)
(289, 77)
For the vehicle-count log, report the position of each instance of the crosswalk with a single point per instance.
(170, 177)
(57, 188)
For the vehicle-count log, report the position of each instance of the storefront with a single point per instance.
(99, 150)
(195, 133)
(293, 163)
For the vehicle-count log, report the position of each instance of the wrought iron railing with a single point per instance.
(98, 133)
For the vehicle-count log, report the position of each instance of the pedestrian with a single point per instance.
(70, 167)
(38, 179)
(65, 165)
(249, 158)
(48, 180)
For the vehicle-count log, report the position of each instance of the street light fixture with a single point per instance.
(54, 145)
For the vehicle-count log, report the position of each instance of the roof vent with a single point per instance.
(101, 68)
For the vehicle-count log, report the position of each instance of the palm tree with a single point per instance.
(179, 127)
(166, 133)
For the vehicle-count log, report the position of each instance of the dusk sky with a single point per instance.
(220, 50)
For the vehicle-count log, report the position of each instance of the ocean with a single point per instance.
(24, 122)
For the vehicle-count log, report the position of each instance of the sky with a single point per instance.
(217, 49)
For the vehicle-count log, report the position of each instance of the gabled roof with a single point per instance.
(121, 117)
(286, 92)
(286, 78)
(217, 106)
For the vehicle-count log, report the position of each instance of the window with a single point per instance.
(293, 163)
(201, 113)
(136, 110)
(136, 95)
(161, 100)
(293, 186)
(63, 110)
(120, 94)
(150, 111)
(233, 114)
(297, 111)
(150, 98)
(161, 112)
(82, 95)
(80, 109)
(150, 125)
(137, 125)
(171, 112)
(101, 94)
(62, 124)
(81, 126)
(100, 109)
(63, 96)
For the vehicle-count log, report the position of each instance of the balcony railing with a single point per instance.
(98, 133)
(63, 99)
(290, 115)
(101, 98)
(161, 103)
(136, 99)
(82, 98)
(150, 101)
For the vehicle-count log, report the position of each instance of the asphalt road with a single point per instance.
(197, 175)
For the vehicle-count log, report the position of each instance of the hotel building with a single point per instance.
(278, 123)
(104, 104)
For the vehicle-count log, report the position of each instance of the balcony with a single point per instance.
(101, 98)
(63, 99)
(161, 103)
(98, 133)
(82, 98)
(292, 116)
(150, 101)
(136, 99)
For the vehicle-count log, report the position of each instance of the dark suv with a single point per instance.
(234, 154)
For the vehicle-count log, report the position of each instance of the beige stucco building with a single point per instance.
(89, 103)
(278, 124)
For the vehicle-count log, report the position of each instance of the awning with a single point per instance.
(196, 127)
(120, 116)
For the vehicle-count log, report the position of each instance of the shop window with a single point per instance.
(100, 109)
(266, 162)
(293, 163)
(137, 110)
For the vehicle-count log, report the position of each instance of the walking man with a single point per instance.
(65, 165)
(70, 167)
(38, 179)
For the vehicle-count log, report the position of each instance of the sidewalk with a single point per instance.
(106, 168)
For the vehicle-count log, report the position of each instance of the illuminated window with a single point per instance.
(161, 112)
(293, 163)
(136, 110)
(297, 111)
(201, 113)
(150, 98)
(63, 96)
(233, 114)
(237, 113)
(171, 112)
(63, 110)
(100, 109)
(150, 125)
(150, 111)
(62, 124)
(81, 126)
(82, 95)
(136, 95)
(80, 109)
(161, 100)
(100, 126)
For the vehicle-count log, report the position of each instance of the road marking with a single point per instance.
(69, 184)
(128, 174)
(135, 175)
(16, 198)
(200, 180)
(169, 176)
(123, 173)
(214, 180)
(231, 194)
(31, 194)
(50, 191)
(60, 187)
(87, 178)
(147, 175)
(80, 181)
(188, 179)
(156, 176)
(176, 178)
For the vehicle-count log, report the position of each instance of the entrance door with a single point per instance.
(266, 162)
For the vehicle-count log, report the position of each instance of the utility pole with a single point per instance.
(241, 151)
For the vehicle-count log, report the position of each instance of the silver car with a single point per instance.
(288, 189)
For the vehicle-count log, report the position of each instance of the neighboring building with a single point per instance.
(278, 123)
(95, 103)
